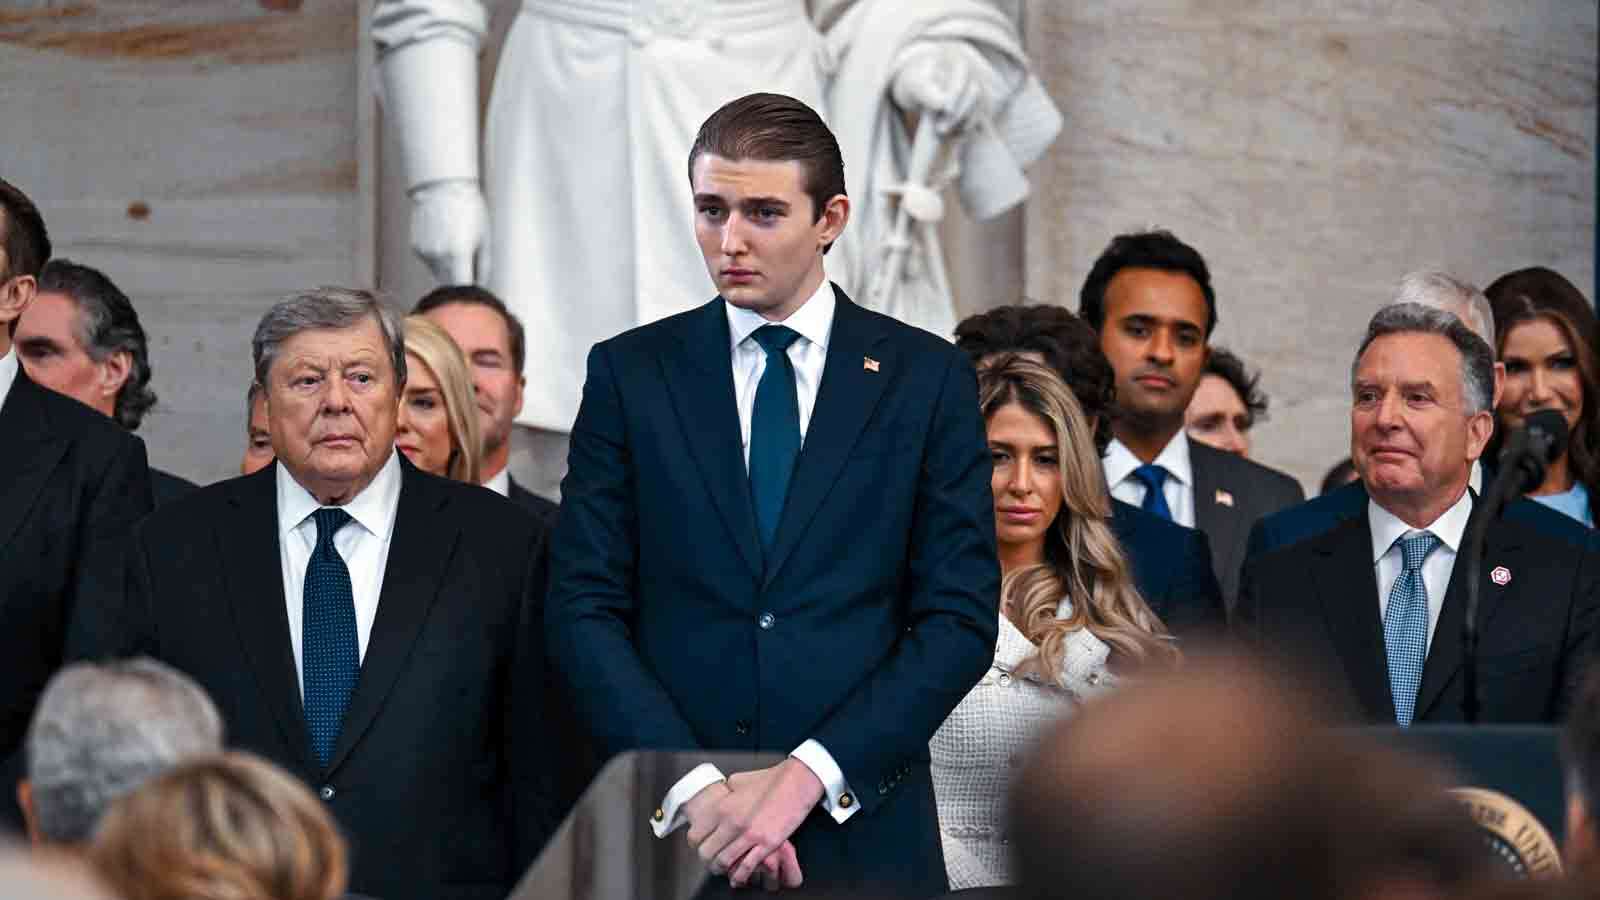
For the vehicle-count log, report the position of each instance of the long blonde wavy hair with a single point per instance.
(433, 345)
(1082, 559)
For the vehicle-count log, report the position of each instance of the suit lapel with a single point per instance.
(254, 575)
(1444, 651)
(27, 453)
(1347, 585)
(845, 400)
(1218, 520)
(419, 555)
(699, 376)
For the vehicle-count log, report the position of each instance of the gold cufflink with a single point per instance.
(845, 800)
(659, 815)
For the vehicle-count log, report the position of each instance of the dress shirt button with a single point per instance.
(766, 621)
(1005, 680)
(325, 792)
(1094, 677)
(741, 727)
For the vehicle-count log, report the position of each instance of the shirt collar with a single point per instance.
(373, 508)
(1448, 528)
(813, 320)
(500, 483)
(8, 373)
(1174, 457)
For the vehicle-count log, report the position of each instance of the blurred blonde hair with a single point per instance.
(434, 347)
(1083, 560)
(224, 827)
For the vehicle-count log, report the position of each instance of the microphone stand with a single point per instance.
(1507, 486)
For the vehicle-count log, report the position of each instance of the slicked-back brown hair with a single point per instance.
(776, 128)
(22, 233)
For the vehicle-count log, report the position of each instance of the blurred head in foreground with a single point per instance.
(226, 827)
(1219, 783)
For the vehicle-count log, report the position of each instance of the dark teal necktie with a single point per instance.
(1154, 478)
(329, 653)
(774, 431)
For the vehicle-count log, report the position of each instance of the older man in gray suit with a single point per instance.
(99, 732)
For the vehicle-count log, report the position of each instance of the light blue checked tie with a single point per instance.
(1405, 625)
(329, 649)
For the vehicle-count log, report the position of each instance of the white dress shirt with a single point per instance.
(500, 483)
(1386, 556)
(1178, 488)
(809, 355)
(8, 374)
(363, 545)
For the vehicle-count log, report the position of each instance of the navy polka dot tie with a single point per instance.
(330, 656)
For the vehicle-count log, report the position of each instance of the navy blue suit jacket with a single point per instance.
(1172, 568)
(873, 616)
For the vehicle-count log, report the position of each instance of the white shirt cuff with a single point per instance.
(669, 816)
(837, 798)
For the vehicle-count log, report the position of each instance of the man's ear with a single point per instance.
(30, 818)
(1480, 427)
(114, 372)
(15, 295)
(835, 213)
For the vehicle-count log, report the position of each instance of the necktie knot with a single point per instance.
(1414, 549)
(329, 520)
(775, 338)
(1152, 476)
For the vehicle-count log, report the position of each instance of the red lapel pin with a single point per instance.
(1501, 576)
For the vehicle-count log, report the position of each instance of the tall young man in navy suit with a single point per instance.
(777, 534)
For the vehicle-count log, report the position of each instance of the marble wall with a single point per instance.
(1314, 152)
(205, 156)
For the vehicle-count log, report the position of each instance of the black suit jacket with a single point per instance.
(440, 778)
(166, 487)
(1172, 568)
(1317, 601)
(871, 619)
(1230, 494)
(542, 509)
(74, 482)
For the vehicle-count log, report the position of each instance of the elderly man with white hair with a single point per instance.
(1435, 290)
(98, 733)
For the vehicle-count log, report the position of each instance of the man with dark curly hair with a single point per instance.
(81, 337)
(1226, 405)
(1171, 564)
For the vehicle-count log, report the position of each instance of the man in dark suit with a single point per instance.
(1322, 513)
(74, 484)
(1149, 297)
(1171, 564)
(81, 337)
(777, 534)
(491, 339)
(1378, 602)
(371, 628)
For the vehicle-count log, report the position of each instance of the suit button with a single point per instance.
(741, 727)
(325, 792)
(766, 621)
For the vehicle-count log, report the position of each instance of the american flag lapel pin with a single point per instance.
(1224, 498)
(869, 364)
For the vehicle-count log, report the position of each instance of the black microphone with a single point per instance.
(1530, 449)
(1527, 454)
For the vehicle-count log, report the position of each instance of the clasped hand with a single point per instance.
(741, 828)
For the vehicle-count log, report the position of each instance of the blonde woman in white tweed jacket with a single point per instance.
(1070, 617)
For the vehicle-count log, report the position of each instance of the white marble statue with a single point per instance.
(581, 217)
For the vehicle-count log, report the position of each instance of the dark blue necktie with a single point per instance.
(774, 431)
(330, 656)
(1154, 477)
